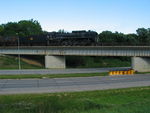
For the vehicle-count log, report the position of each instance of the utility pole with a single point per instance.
(19, 65)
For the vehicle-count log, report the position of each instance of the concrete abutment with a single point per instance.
(55, 62)
(141, 64)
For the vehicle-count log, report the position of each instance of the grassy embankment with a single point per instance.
(130, 100)
(11, 62)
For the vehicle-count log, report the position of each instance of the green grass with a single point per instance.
(142, 72)
(11, 62)
(52, 75)
(130, 100)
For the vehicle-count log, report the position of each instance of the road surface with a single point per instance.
(58, 71)
(72, 84)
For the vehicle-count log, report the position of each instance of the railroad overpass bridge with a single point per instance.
(55, 56)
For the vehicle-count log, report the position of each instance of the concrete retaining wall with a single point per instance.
(55, 62)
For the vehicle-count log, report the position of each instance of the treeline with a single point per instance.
(108, 37)
(141, 37)
(25, 28)
(22, 28)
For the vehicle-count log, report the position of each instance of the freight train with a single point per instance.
(75, 38)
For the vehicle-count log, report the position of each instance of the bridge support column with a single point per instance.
(141, 64)
(55, 62)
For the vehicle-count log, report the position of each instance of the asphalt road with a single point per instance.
(72, 84)
(58, 71)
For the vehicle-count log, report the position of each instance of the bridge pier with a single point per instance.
(141, 64)
(55, 62)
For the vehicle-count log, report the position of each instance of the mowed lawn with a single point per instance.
(130, 100)
(40, 76)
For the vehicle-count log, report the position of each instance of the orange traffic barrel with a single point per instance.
(132, 71)
(125, 72)
(110, 73)
(121, 72)
(129, 72)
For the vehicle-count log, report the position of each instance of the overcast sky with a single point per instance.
(99, 15)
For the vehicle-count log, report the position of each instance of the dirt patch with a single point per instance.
(29, 61)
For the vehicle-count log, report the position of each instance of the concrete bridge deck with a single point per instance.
(79, 50)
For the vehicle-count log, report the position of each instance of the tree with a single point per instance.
(143, 35)
(61, 31)
(106, 37)
(10, 29)
(1, 30)
(23, 28)
(120, 38)
(112, 38)
(29, 27)
(132, 39)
